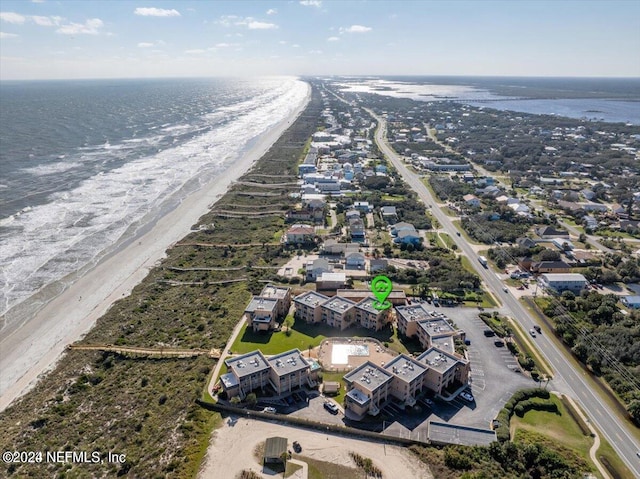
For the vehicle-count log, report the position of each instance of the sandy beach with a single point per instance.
(232, 445)
(28, 352)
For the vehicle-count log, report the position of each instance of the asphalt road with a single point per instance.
(566, 379)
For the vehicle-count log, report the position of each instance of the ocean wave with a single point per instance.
(79, 226)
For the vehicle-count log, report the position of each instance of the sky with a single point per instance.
(48, 39)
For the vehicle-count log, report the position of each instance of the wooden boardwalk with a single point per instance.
(147, 352)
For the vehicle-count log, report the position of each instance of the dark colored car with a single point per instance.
(332, 408)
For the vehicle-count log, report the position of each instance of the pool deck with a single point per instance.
(335, 362)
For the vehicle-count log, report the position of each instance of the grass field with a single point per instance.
(559, 427)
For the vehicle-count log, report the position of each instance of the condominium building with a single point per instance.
(338, 312)
(430, 327)
(261, 314)
(246, 373)
(368, 390)
(284, 373)
(282, 295)
(369, 317)
(289, 371)
(408, 378)
(308, 306)
(443, 369)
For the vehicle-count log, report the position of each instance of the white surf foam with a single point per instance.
(77, 227)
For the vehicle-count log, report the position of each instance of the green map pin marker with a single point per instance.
(381, 287)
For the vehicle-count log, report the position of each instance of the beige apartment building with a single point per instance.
(369, 388)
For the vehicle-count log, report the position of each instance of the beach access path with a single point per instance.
(28, 351)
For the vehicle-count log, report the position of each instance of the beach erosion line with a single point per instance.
(28, 352)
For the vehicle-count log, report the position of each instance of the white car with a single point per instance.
(467, 396)
(532, 332)
(270, 409)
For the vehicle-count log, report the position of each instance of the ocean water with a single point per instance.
(611, 100)
(86, 165)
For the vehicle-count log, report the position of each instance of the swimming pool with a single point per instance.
(340, 352)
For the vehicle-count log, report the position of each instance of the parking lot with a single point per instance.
(495, 376)
(314, 410)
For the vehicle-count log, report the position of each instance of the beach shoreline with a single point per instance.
(33, 349)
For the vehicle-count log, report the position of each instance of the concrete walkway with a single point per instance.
(300, 473)
(224, 354)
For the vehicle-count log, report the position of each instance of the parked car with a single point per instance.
(467, 342)
(499, 343)
(489, 333)
(428, 402)
(467, 396)
(331, 407)
(297, 447)
(270, 409)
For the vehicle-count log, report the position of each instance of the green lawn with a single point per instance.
(559, 427)
(303, 336)
(337, 377)
(446, 239)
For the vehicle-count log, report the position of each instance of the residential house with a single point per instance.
(549, 232)
(395, 229)
(526, 242)
(563, 244)
(356, 229)
(300, 233)
(354, 260)
(389, 214)
(315, 268)
(363, 206)
(631, 301)
(378, 265)
(408, 237)
(472, 200)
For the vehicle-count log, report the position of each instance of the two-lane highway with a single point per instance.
(567, 379)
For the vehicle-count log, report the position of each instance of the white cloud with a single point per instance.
(7, 35)
(225, 45)
(254, 25)
(272, 11)
(282, 42)
(46, 21)
(145, 45)
(315, 52)
(90, 27)
(196, 51)
(295, 45)
(333, 39)
(12, 17)
(356, 29)
(249, 22)
(156, 12)
(311, 3)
